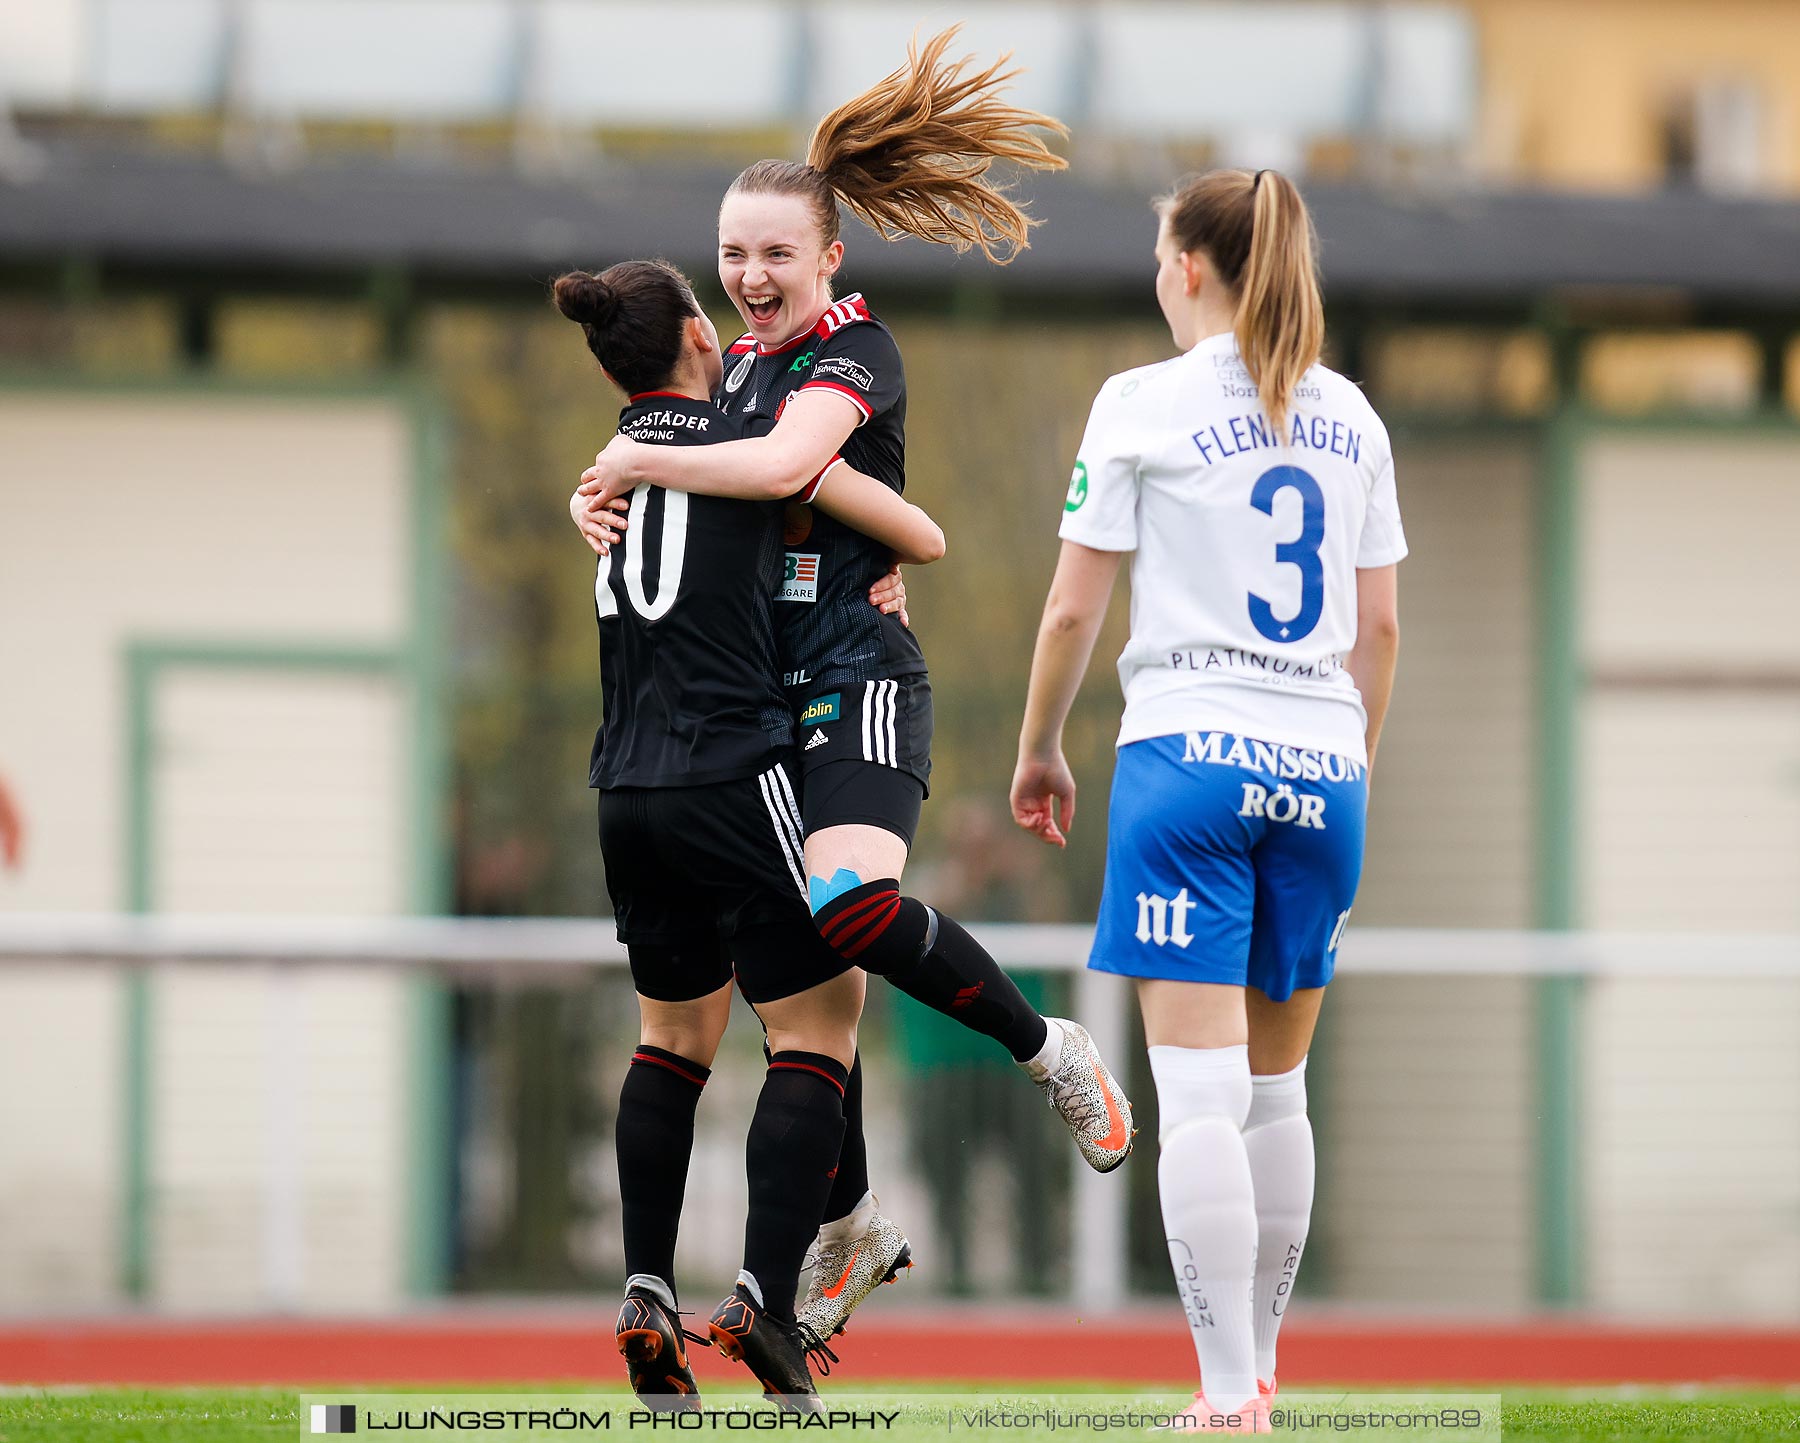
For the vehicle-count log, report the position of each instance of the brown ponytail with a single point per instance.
(910, 156)
(1256, 231)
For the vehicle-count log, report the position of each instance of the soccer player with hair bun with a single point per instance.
(1254, 489)
(701, 834)
(818, 382)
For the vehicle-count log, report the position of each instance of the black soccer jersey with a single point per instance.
(830, 636)
(688, 668)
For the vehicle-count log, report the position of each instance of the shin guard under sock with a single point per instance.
(655, 1138)
(794, 1142)
(850, 1182)
(932, 959)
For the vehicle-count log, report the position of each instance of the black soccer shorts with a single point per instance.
(711, 880)
(865, 755)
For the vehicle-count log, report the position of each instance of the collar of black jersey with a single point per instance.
(851, 309)
(644, 398)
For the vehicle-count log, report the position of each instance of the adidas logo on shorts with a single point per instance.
(817, 739)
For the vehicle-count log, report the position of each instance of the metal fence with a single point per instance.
(316, 1114)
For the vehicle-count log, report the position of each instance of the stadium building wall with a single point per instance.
(1687, 818)
(223, 715)
(1424, 1095)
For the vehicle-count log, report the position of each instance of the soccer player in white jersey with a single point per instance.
(1255, 490)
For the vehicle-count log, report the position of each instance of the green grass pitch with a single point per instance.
(195, 1415)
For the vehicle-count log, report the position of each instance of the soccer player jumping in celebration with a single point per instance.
(818, 381)
(701, 838)
(1255, 490)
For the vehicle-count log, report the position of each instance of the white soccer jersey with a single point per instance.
(1247, 543)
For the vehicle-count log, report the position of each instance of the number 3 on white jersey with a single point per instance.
(1302, 551)
(674, 552)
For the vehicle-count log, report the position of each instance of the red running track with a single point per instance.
(484, 1347)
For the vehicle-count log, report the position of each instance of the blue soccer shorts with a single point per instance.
(1230, 860)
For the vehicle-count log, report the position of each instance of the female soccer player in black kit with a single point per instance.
(816, 382)
(700, 832)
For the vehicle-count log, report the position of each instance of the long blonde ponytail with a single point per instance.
(1256, 230)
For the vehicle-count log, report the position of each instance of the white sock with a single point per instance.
(852, 1225)
(747, 1279)
(1209, 1209)
(1044, 1062)
(653, 1285)
(1279, 1140)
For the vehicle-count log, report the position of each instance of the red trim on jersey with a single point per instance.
(646, 395)
(862, 405)
(838, 315)
(743, 343)
(811, 488)
(787, 346)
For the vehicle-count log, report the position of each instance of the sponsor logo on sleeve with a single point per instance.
(845, 370)
(1078, 488)
(800, 577)
(822, 709)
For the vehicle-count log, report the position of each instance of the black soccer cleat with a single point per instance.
(773, 1350)
(650, 1340)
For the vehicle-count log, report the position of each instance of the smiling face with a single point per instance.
(772, 265)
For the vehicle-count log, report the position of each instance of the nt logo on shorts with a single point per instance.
(1156, 914)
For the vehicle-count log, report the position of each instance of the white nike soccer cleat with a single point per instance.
(1089, 1099)
(844, 1273)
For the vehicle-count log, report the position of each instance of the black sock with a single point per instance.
(794, 1141)
(851, 1180)
(655, 1138)
(958, 978)
(930, 958)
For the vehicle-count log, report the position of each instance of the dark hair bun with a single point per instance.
(586, 299)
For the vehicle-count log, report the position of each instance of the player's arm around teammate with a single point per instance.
(1254, 489)
(700, 835)
(909, 156)
(817, 377)
(841, 491)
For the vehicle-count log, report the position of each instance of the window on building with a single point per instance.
(1714, 136)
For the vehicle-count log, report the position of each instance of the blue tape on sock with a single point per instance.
(819, 892)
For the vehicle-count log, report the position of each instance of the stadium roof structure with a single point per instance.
(199, 217)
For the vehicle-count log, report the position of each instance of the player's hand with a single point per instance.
(611, 473)
(889, 595)
(601, 528)
(1042, 785)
